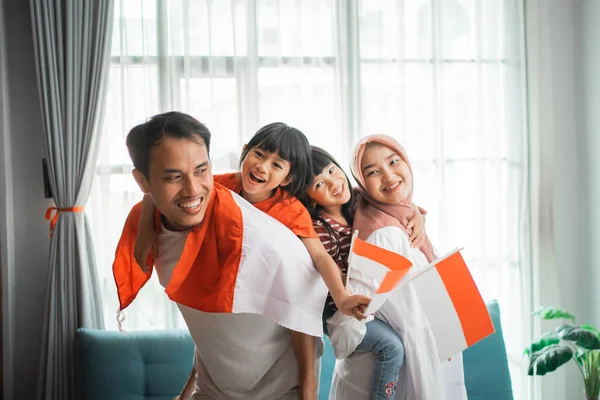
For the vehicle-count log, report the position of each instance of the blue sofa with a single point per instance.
(155, 365)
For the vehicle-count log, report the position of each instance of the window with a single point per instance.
(442, 76)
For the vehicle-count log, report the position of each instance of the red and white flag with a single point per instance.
(447, 292)
(456, 311)
(380, 265)
(239, 260)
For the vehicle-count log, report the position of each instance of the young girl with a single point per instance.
(330, 199)
(385, 186)
(275, 167)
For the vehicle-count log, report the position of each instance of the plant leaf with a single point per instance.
(549, 358)
(579, 357)
(581, 337)
(544, 341)
(553, 313)
(591, 356)
(591, 367)
(591, 329)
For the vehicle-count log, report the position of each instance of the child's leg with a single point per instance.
(304, 349)
(387, 346)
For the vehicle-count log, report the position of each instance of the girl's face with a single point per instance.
(387, 177)
(262, 172)
(330, 188)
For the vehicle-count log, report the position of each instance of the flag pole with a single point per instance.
(433, 264)
(354, 236)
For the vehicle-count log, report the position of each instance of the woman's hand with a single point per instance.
(417, 224)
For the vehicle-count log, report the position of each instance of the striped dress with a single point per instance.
(338, 249)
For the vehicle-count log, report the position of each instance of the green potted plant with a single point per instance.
(568, 342)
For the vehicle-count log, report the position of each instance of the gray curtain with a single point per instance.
(72, 42)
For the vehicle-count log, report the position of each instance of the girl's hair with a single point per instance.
(320, 160)
(292, 146)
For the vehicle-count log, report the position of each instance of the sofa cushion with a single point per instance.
(134, 366)
(486, 365)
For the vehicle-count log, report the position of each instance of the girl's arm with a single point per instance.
(349, 305)
(146, 239)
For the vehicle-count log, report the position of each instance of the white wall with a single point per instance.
(556, 171)
(589, 23)
(564, 61)
(23, 139)
(577, 194)
(570, 192)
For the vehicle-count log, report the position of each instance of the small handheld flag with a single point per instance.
(446, 290)
(379, 264)
(456, 311)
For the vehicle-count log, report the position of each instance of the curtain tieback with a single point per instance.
(54, 219)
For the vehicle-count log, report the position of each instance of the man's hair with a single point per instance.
(291, 145)
(173, 124)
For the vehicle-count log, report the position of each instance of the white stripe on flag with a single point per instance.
(440, 311)
(369, 267)
(377, 300)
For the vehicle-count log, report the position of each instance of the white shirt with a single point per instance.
(238, 356)
(422, 375)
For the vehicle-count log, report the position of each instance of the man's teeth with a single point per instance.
(190, 205)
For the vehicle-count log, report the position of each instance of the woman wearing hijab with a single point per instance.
(385, 187)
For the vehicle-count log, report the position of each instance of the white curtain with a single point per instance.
(445, 77)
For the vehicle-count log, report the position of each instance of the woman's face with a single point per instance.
(330, 188)
(387, 177)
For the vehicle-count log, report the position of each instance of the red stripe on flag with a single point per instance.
(392, 260)
(390, 281)
(470, 307)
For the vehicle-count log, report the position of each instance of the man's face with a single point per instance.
(180, 181)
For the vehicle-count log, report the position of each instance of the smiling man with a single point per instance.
(179, 177)
(240, 279)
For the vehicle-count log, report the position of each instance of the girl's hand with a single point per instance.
(417, 224)
(359, 312)
(145, 242)
(146, 239)
(354, 305)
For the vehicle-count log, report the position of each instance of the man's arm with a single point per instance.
(304, 349)
(188, 388)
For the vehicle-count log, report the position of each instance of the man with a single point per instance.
(240, 279)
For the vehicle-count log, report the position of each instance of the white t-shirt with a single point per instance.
(238, 356)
